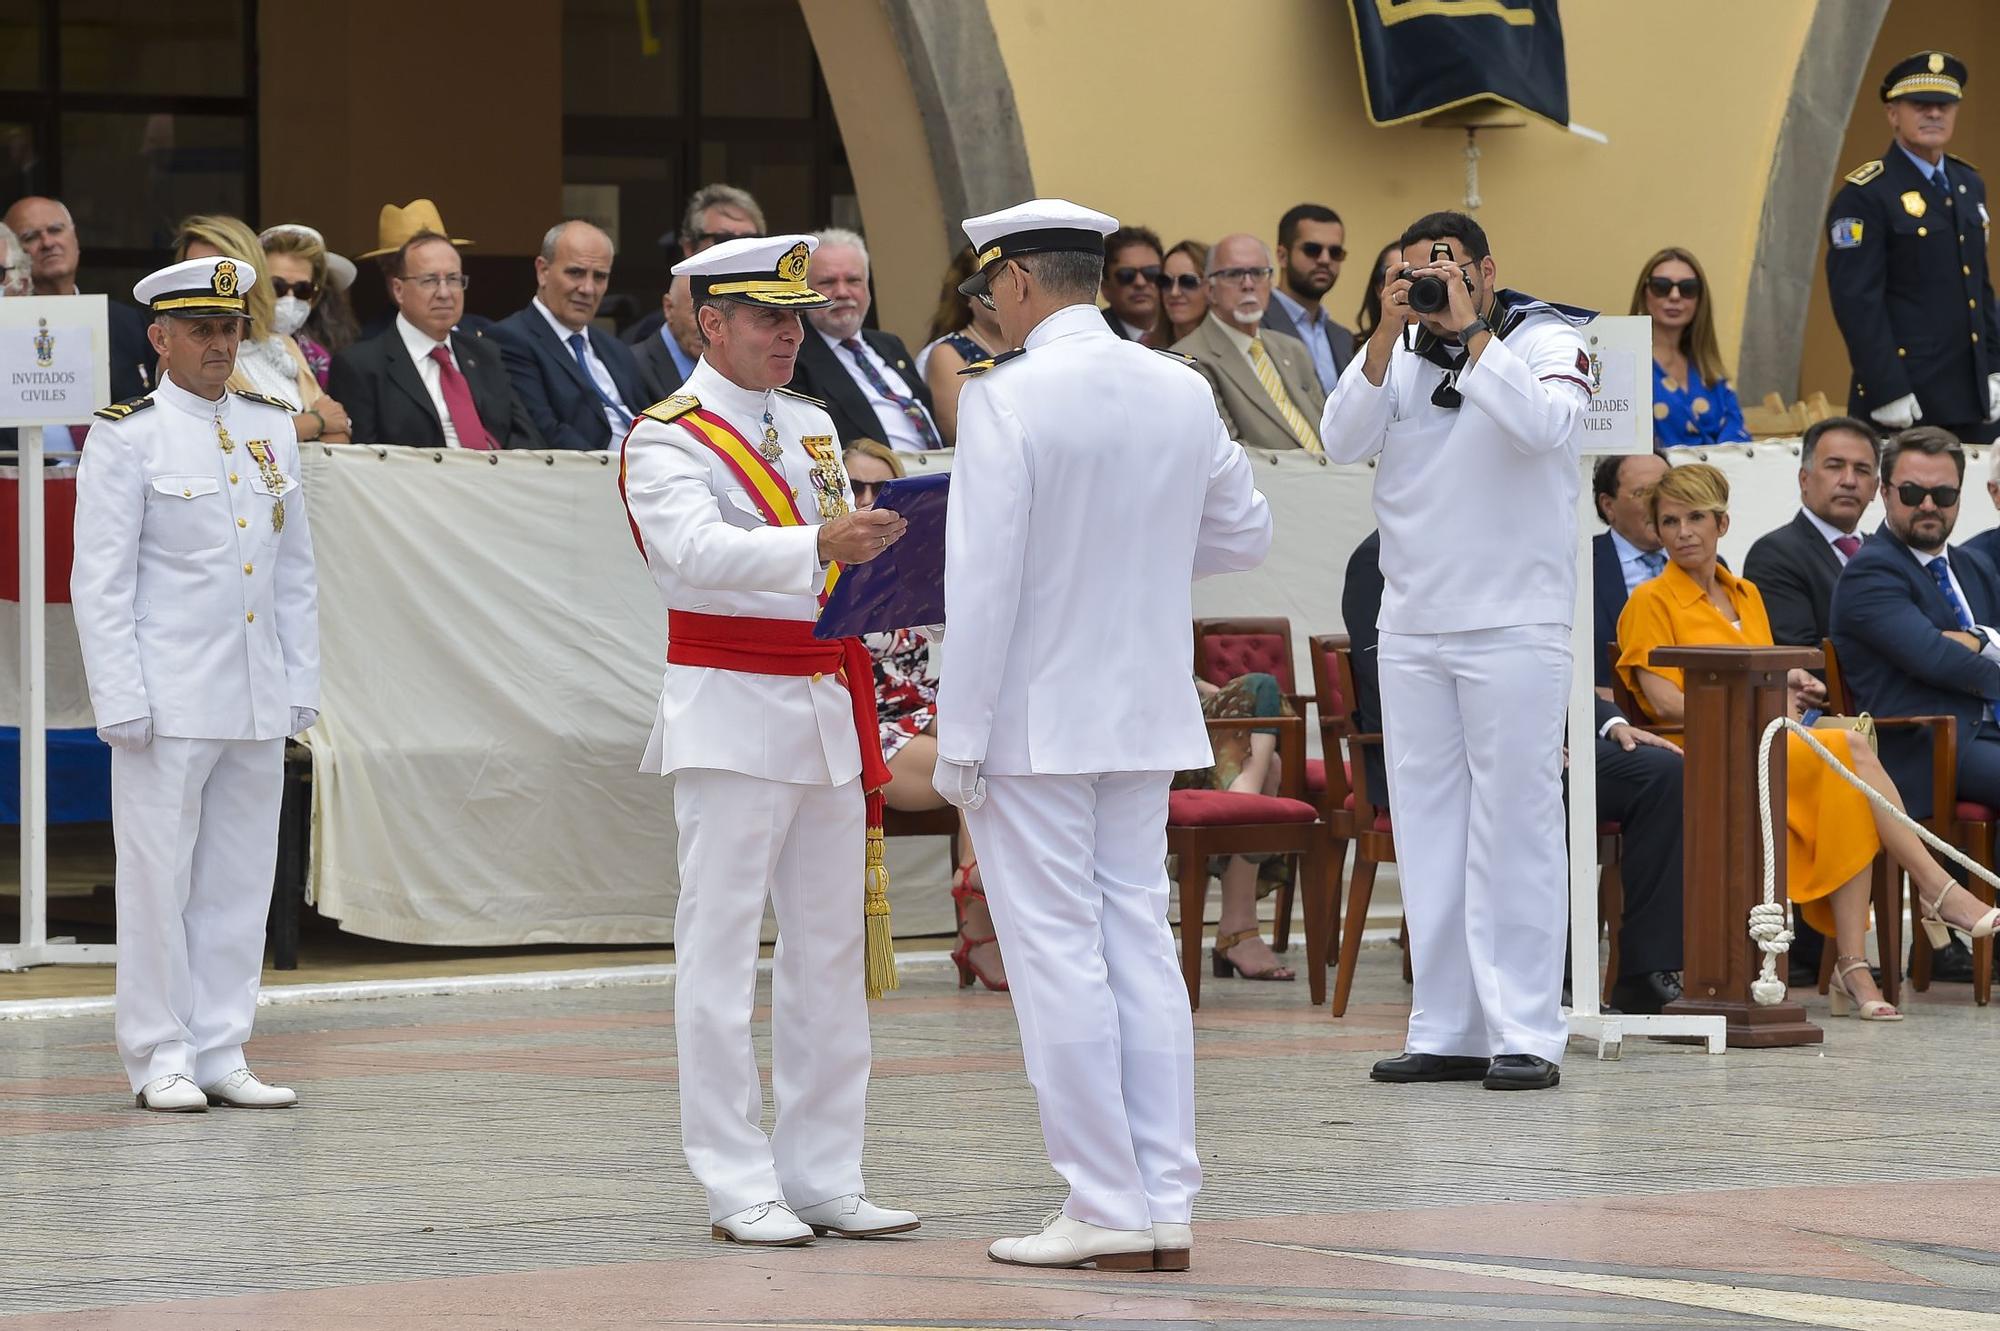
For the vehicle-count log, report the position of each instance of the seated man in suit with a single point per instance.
(668, 357)
(1987, 543)
(579, 383)
(1796, 566)
(1265, 387)
(1311, 249)
(1624, 555)
(1134, 279)
(48, 235)
(867, 379)
(421, 381)
(1638, 787)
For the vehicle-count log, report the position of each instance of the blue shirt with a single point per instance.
(1925, 169)
(680, 358)
(1696, 413)
(1314, 333)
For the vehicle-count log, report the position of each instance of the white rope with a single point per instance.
(1770, 919)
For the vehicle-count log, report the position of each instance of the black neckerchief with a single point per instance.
(1508, 311)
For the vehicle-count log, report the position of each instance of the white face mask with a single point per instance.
(291, 315)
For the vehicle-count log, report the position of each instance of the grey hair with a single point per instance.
(553, 237)
(17, 260)
(1066, 274)
(711, 196)
(840, 237)
(1216, 248)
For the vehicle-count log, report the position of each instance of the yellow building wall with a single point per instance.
(1199, 119)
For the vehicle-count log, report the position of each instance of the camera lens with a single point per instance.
(1427, 295)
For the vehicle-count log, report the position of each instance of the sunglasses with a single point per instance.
(1187, 282)
(866, 490)
(1913, 495)
(1312, 249)
(708, 238)
(1689, 287)
(1150, 273)
(305, 291)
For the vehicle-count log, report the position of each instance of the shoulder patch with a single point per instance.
(982, 366)
(1864, 173)
(669, 410)
(1845, 233)
(803, 397)
(1175, 355)
(118, 411)
(277, 402)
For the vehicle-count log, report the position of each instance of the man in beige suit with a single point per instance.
(1264, 382)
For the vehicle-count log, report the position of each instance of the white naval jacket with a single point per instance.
(192, 609)
(1094, 482)
(710, 550)
(1477, 504)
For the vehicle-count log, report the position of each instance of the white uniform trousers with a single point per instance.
(743, 838)
(1472, 733)
(1075, 872)
(195, 824)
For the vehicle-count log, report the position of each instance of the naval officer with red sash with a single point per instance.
(740, 504)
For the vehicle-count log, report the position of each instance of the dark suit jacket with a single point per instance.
(1889, 617)
(636, 334)
(134, 363)
(1608, 596)
(658, 375)
(1360, 605)
(1795, 569)
(1986, 545)
(378, 384)
(1339, 338)
(823, 374)
(561, 399)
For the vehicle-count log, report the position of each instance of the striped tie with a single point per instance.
(1267, 375)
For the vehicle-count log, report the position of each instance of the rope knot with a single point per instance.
(1770, 927)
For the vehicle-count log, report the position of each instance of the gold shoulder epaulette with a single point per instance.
(1962, 162)
(1175, 355)
(118, 411)
(669, 410)
(277, 402)
(1864, 173)
(982, 366)
(803, 397)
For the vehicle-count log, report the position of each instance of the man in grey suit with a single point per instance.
(1311, 248)
(1264, 382)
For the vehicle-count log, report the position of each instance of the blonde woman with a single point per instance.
(268, 362)
(1692, 400)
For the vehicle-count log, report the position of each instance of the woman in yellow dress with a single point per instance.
(1832, 831)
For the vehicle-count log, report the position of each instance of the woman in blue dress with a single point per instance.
(1692, 400)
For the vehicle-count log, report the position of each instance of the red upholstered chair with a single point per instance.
(1206, 823)
(1227, 648)
(1363, 820)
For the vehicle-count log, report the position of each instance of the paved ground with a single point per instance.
(512, 1161)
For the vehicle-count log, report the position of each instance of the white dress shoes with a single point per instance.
(241, 1090)
(1173, 1247)
(765, 1225)
(855, 1217)
(171, 1095)
(1067, 1242)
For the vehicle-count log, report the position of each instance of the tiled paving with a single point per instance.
(510, 1161)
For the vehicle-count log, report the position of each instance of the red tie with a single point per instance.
(1847, 545)
(458, 401)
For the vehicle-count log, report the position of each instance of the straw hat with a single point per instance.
(397, 225)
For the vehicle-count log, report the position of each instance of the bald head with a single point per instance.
(1239, 281)
(49, 236)
(572, 272)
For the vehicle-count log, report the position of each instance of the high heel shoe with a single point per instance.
(1224, 967)
(963, 893)
(1939, 932)
(1843, 1000)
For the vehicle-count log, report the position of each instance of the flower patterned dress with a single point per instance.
(905, 686)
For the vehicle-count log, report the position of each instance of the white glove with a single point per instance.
(128, 734)
(302, 719)
(1993, 397)
(1903, 412)
(959, 783)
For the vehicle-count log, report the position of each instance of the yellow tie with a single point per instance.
(1267, 375)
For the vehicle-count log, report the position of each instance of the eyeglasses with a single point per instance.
(1689, 287)
(1245, 276)
(986, 296)
(432, 281)
(1187, 282)
(707, 238)
(1150, 273)
(305, 291)
(1312, 249)
(1913, 495)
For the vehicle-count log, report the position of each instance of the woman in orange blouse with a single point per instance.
(1832, 831)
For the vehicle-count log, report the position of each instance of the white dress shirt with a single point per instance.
(619, 419)
(898, 431)
(1828, 532)
(419, 344)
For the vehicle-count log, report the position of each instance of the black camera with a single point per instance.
(1428, 294)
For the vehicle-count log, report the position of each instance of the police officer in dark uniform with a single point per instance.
(1906, 267)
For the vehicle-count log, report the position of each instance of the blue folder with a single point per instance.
(903, 587)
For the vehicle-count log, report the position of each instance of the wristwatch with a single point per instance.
(1478, 325)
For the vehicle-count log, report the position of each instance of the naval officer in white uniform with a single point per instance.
(1475, 421)
(197, 608)
(739, 502)
(1093, 483)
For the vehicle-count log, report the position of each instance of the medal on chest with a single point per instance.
(770, 447)
(274, 480)
(828, 482)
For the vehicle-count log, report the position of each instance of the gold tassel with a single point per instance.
(881, 963)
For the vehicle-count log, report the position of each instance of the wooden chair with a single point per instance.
(1964, 824)
(1771, 418)
(1206, 823)
(1367, 822)
(1227, 648)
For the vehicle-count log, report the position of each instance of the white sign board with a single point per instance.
(1620, 416)
(55, 366)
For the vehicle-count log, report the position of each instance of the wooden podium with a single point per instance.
(1732, 694)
